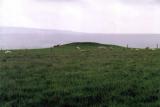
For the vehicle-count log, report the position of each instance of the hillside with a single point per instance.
(65, 76)
(90, 44)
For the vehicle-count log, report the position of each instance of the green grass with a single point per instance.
(67, 77)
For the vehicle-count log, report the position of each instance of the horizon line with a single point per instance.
(50, 29)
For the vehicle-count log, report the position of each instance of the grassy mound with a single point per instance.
(92, 44)
(67, 77)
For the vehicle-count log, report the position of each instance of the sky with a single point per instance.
(93, 16)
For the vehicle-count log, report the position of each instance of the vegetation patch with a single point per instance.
(66, 76)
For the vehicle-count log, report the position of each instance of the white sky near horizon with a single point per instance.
(95, 16)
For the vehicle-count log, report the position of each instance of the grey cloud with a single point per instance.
(157, 1)
(59, 0)
(141, 1)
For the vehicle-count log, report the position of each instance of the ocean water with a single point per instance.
(21, 38)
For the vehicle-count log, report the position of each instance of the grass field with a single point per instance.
(91, 77)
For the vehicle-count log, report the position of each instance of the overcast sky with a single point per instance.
(100, 16)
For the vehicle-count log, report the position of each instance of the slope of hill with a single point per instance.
(68, 77)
